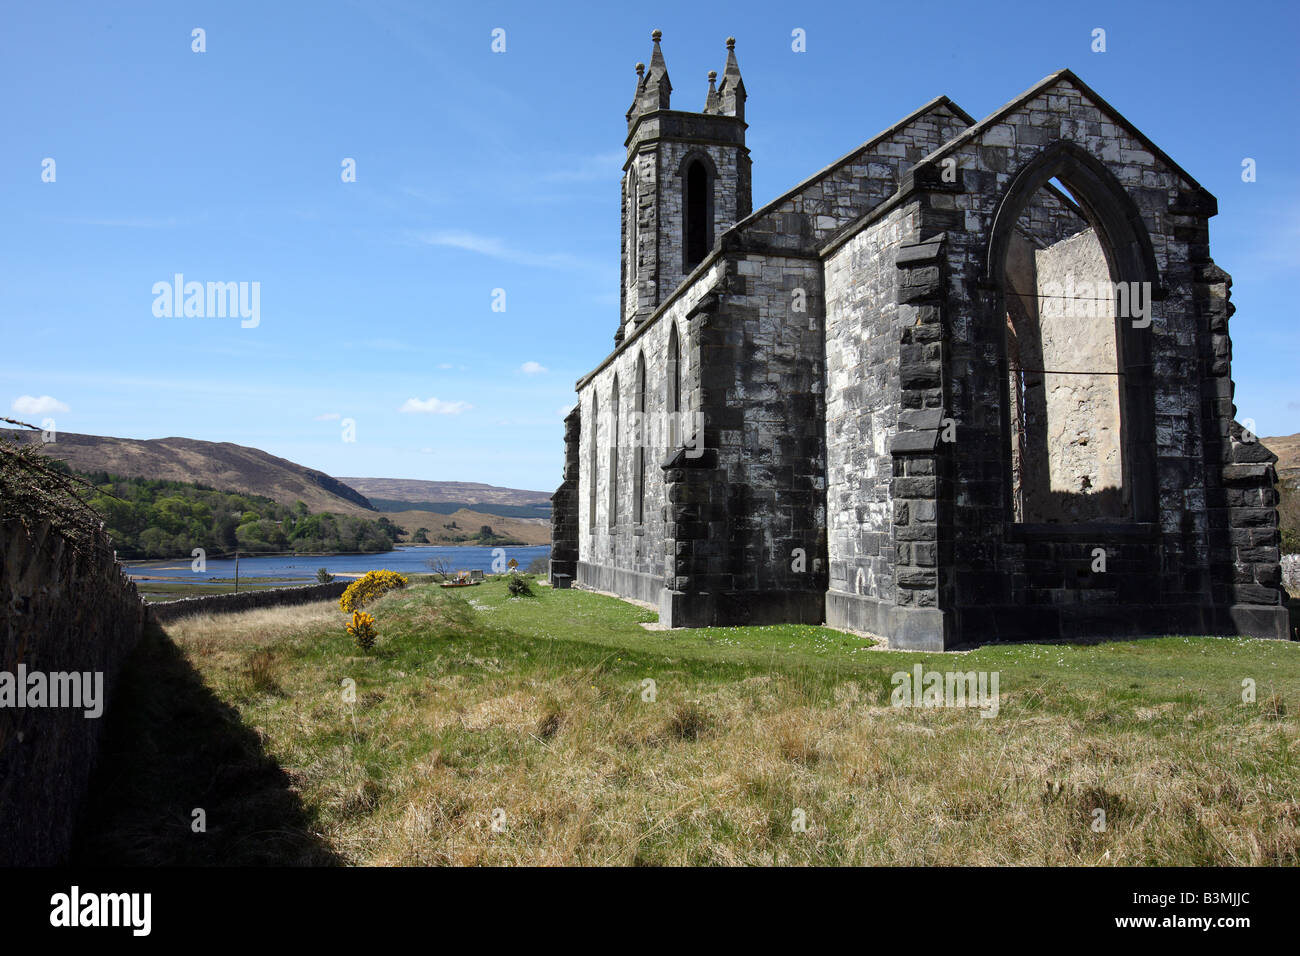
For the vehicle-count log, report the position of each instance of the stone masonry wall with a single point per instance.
(62, 610)
(1241, 494)
(763, 395)
(629, 558)
(853, 186)
(565, 505)
(863, 332)
(245, 600)
(672, 193)
(1162, 579)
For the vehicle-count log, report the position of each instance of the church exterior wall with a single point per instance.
(1173, 568)
(762, 392)
(630, 559)
(862, 409)
(853, 187)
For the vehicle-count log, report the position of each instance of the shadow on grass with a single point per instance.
(172, 746)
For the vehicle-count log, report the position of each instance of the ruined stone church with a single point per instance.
(970, 382)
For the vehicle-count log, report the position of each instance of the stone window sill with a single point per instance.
(1084, 531)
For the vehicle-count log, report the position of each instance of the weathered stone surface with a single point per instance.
(65, 607)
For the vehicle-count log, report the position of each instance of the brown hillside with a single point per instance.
(528, 530)
(221, 465)
(1287, 449)
(470, 492)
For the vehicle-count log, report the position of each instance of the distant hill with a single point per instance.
(442, 492)
(466, 524)
(220, 465)
(1287, 449)
(449, 507)
(450, 517)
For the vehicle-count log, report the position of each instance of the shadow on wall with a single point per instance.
(171, 745)
(1105, 505)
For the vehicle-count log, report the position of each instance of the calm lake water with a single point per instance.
(406, 560)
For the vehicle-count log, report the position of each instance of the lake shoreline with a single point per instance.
(406, 559)
(133, 562)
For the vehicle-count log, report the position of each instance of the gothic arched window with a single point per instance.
(593, 464)
(613, 456)
(639, 438)
(633, 215)
(1072, 261)
(673, 400)
(697, 209)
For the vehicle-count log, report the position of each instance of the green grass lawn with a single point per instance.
(493, 729)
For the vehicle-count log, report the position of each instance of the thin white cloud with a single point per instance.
(120, 223)
(424, 195)
(31, 405)
(532, 368)
(328, 417)
(496, 249)
(387, 345)
(605, 165)
(564, 411)
(434, 406)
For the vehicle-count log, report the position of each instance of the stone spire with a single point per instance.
(711, 101)
(636, 97)
(653, 93)
(732, 89)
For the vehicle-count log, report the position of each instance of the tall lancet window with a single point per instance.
(593, 464)
(639, 440)
(697, 212)
(673, 400)
(613, 456)
(633, 217)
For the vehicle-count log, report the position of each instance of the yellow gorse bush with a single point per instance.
(368, 587)
(362, 630)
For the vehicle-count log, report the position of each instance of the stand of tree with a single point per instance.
(169, 519)
(487, 537)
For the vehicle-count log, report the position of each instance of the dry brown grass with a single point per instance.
(593, 779)
(458, 753)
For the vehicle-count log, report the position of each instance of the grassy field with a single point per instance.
(488, 729)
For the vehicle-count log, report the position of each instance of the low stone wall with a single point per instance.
(68, 617)
(246, 600)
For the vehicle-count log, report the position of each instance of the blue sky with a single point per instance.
(479, 171)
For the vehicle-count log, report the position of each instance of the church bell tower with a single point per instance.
(685, 182)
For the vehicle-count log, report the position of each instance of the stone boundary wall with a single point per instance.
(64, 609)
(246, 600)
